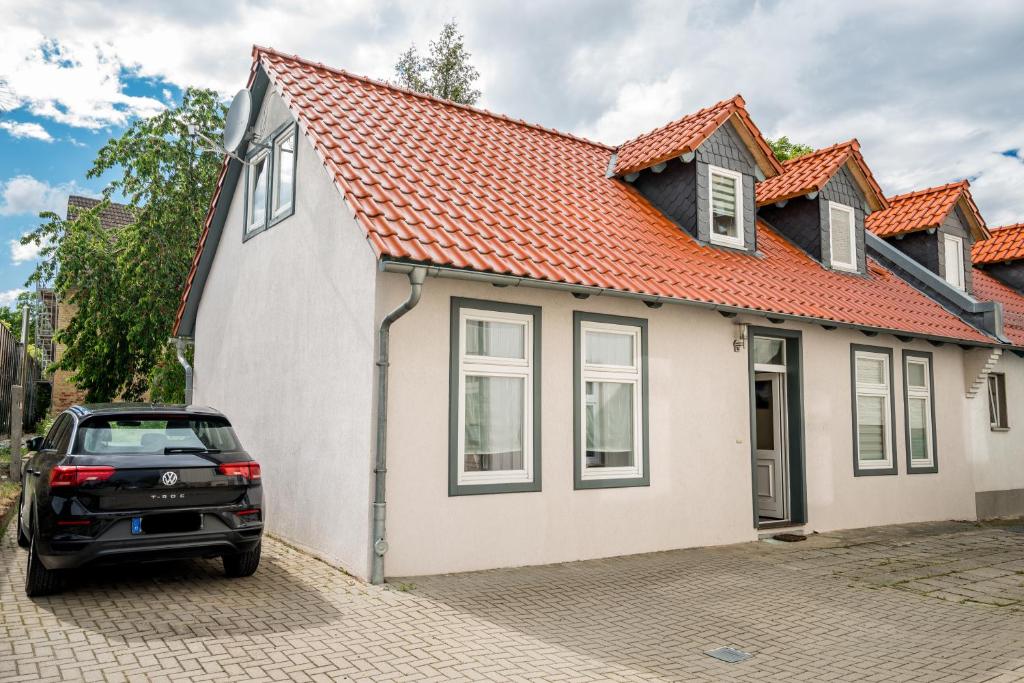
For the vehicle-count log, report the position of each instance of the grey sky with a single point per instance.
(934, 91)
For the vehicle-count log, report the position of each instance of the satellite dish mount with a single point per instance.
(236, 128)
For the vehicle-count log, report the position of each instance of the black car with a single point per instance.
(137, 482)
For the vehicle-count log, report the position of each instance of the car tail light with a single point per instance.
(249, 470)
(246, 513)
(75, 475)
(73, 522)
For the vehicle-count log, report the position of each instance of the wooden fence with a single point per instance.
(10, 361)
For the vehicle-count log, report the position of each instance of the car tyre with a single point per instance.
(23, 541)
(38, 579)
(242, 564)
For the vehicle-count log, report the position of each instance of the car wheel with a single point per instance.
(38, 579)
(22, 537)
(242, 564)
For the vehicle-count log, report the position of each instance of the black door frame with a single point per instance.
(797, 479)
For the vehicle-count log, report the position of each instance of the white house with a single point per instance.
(519, 347)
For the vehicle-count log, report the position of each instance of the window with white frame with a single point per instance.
(725, 189)
(494, 397)
(873, 450)
(610, 406)
(954, 260)
(257, 175)
(284, 172)
(919, 411)
(842, 237)
(997, 401)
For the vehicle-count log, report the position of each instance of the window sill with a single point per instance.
(582, 484)
(999, 429)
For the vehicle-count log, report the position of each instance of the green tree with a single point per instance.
(445, 72)
(11, 316)
(785, 149)
(126, 281)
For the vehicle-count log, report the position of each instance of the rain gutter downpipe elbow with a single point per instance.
(378, 537)
(179, 349)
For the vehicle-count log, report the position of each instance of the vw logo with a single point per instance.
(169, 479)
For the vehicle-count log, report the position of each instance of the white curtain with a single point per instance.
(494, 423)
(284, 171)
(768, 351)
(723, 203)
(609, 348)
(842, 231)
(258, 205)
(918, 425)
(495, 339)
(609, 423)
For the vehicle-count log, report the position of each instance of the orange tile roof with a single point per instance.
(1004, 244)
(811, 172)
(989, 288)
(686, 135)
(443, 184)
(922, 210)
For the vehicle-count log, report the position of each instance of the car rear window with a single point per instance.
(149, 434)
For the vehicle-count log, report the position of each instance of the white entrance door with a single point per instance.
(770, 443)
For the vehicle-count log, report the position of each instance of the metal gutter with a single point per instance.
(986, 316)
(379, 544)
(394, 266)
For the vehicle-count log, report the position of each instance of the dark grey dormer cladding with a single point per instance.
(1010, 273)
(681, 190)
(927, 248)
(806, 222)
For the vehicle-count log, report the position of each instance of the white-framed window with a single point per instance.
(997, 401)
(842, 225)
(917, 374)
(872, 411)
(725, 203)
(610, 406)
(257, 177)
(953, 248)
(283, 195)
(494, 397)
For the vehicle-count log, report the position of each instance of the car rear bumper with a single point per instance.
(116, 546)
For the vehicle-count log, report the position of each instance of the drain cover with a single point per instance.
(790, 538)
(729, 654)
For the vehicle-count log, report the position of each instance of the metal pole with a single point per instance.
(179, 348)
(18, 399)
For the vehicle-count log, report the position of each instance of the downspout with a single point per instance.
(380, 545)
(179, 348)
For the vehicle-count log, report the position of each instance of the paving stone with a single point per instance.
(890, 604)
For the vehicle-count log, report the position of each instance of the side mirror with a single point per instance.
(34, 443)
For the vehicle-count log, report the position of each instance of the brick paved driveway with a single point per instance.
(923, 603)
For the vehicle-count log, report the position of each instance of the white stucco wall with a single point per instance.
(700, 491)
(284, 346)
(999, 455)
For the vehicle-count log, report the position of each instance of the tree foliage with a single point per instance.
(445, 72)
(126, 281)
(11, 316)
(785, 149)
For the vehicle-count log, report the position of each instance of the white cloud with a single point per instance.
(9, 297)
(24, 194)
(926, 88)
(23, 253)
(20, 129)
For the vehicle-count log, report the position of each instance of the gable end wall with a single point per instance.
(725, 149)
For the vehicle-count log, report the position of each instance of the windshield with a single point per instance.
(127, 434)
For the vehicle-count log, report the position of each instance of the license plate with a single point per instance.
(136, 525)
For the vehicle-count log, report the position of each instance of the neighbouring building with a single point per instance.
(587, 350)
(55, 312)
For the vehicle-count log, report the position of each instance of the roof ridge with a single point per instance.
(1011, 226)
(256, 49)
(852, 143)
(693, 114)
(931, 190)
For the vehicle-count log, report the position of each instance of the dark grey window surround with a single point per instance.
(795, 414)
(857, 470)
(454, 488)
(289, 128)
(934, 467)
(579, 483)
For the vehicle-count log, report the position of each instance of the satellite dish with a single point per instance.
(237, 121)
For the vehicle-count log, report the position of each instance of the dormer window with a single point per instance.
(726, 188)
(953, 248)
(842, 237)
